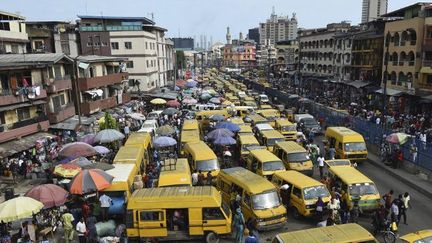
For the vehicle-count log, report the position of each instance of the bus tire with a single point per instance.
(295, 213)
(212, 237)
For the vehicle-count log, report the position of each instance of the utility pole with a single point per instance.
(202, 65)
(385, 77)
(75, 75)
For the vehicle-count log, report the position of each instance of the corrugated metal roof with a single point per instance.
(33, 58)
(95, 58)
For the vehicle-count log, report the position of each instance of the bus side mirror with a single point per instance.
(284, 187)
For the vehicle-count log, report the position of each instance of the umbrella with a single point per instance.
(224, 141)
(19, 208)
(77, 149)
(161, 142)
(158, 101)
(88, 181)
(227, 103)
(170, 111)
(88, 138)
(180, 83)
(108, 136)
(137, 116)
(66, 160)
(220, 133)
(228, 125)
(67, 170)
(101, 149)
(398, 138)
(49, 194)
(99, 165)
(165, 130)
(215, 100)
(191, 84)
(80, 161)
(189, 101)
(217, 118)
(177, 88)
(173, 103)
(206, 96)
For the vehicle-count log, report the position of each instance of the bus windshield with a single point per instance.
(298, 157)
(265, 200)
(273, 165)
(273, 141)
(315, 192)
(207, 165)
(361, 189)
(355, 147)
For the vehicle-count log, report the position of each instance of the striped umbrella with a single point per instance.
(88, 181)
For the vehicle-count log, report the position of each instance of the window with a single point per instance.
(212, 214)
(114, 45)
(429, 79)
(128, 45)
(147, 62)
(23, 113)
(151, 216)
(297, 192)
(129, 64)
(146, 45)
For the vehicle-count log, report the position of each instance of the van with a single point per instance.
(202, 158)
(175, 172)
(421, 236)
(263, 99)
(288, 129)
(262, 127)
(270, 114)
(294, 156)
(149, 126)
(269, 138)
(245, 142)
(177, 213)
(356, 186)
(241, 111)
(342, 233)
(260, 200)
(309, 124)
(237, 120)
(265, 107)
(144, 140)
(121, 187)
(245, 129)
(338, 162)
(154, 115)
(188, 136)
(264, 163)
(131, 155)
(347, 143)
(300, 193)
(256, 119)
(190, 124)
(201, 115)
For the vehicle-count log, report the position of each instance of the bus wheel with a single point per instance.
(212, 237)
(295, 213)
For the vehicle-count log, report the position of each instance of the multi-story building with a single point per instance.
(102, 84)
(52, 37)
(216, 54)
(253, 34)
(241, 55)
(35, 90)
(286, 55)
(317, 49)
(185, 44)
(277, 28)
(408, 55)
(373, 9)
(342, 55)
(13, 35)
(136, 38)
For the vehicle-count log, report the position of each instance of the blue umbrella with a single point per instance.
(177, 88)
(224, 141)
(228, 125)
(191, 84)
(217, 118)
(161, 142)
(206, 96)
(220, 133)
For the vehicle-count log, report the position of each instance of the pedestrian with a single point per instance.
(332, 153)
(67, 219)
(239, 225)
(194, 178)
(81, 230)
(320, 161)
(209, 178)
(423, 139)
(319, 209)
(251, 238)
(251, 226)
(200, 178)
(91, 228)
(413, 151)
(394, 210)
(406, 201)
(105, 204)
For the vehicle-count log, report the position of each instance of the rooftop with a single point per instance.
(95, 58)
(10, 16)
(123, 18)
(32, 58)
(401, 12)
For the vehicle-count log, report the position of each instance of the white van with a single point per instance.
(154, 115)
(263, 98)
(149, 126)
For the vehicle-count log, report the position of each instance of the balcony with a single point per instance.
(126, 97)
(23, 128)
(62, 113)
(90, 107)
(8, 97)
(96, 82)
(60, 84)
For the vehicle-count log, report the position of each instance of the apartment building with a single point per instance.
(13, 35)
(242, 54)
(373, 9)
(278, 28)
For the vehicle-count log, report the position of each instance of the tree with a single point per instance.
(181, 60)
(109, 123)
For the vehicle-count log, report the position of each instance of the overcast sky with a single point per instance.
(191, 18)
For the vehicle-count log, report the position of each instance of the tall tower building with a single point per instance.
(278, 28)
(373, 9)
(228, 36)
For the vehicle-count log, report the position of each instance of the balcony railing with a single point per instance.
(9, 96)
(59, 85)
(23, 128)
(90, 107)
(61, 113)
(96, 82)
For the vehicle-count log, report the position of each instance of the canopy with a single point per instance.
(161, 142)
(217, 118)
(77, 149)
(88, 181)
(99, 165)
(88, 138)
(67, 170)
(108, 136)
(189, 101)
(49, 194)
(398, 138)
(224, 141)
(80, 161)
(19, 208)
(165, 130)
(158, 101)
(101, 149)
(228, 125)
(173, 103)
(170, 111)
(220, 133)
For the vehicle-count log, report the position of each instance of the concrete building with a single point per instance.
(35, 90)
(317, 49)
(52, 37)
(287, 55)
(183, 43)
(102, 84)
(216, 54)
(266, 54)
(277, 28)
(342, 55)
(253, 34)
(13, 35)
(242, 54)
(373, 9)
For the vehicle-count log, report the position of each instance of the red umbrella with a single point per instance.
(91, 180)
(181, 83)
(77, 149)
(49, 194)
(173, 103)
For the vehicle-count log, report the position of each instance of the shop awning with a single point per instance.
(19, 145)
(359, 84)
(390, 92)
(426, 70)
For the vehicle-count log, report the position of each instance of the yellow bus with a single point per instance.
(190, 124)
(343, 233)
(264, 163)
(294, 156)
(347, 143)
(356, 186)
(245, 129)
(175, 173)
(177, 213)
(131, 155)
(202, 158)
(259, 197)
(257, 119)
(245, 142)
(143, 139)
(269, 138)
(188, 136)
(288, 129)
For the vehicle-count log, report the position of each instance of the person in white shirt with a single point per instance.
(105, 204)
(406, 204)
(320, 161)
(81, 231)
(194, 178)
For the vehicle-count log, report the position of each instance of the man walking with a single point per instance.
(406, 204)
(200, 179)
(320, 161)
(67, 219)
(81, 230)
(209, 178)
(194, 178)
(105, 204)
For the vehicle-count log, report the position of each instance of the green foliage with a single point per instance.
(181, 59)
(109, 123)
